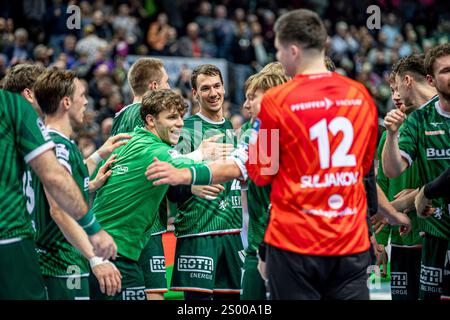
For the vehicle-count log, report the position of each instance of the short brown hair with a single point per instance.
(435, 53)
(413, 65)
(273, 67)
(156, 101)
(302, 26)
(207, 69)
(21, 77)
(142, 72)
(52, 86)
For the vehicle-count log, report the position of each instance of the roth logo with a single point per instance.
(438, 153)
(430, 276)
(195, 263)
(134, 294)
(157, 264)
(399, 280)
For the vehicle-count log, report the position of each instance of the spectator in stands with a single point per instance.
(158, 35)
(21, 50)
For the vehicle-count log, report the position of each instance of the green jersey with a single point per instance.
(127, 119)
(57, 257)
(408, 179)
(258, 200)
(127, 205)
(198, 216)
(425, 138)
(23, 138)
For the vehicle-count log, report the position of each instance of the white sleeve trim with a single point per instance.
(241, 165)
(39, 150)
(66, 165)
(407, 157)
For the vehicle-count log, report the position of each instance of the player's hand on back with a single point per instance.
(109, 278)
(207, 192)
(104, 245)
(113, 143)
(102, 175)
(423, 205)
(394, 120)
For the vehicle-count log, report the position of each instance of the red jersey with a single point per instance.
(327, 135)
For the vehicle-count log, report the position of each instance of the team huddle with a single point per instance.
(301, 168)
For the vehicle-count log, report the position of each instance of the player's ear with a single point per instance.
(150, 121)
(430, 80)
(408, 80)
(65, 101)
(152, 85)
(295, 51)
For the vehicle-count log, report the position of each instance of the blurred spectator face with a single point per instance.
(86, 145)
(411, 36)
(192, 30)
(210, 92)
(341, 29)
(391, 19)
(2, 24)
(256, 28)
(10, 25)
(162, 19)
(114, 100)
(172, 34)
(86, 8)
(124, 10)
(251, 18)
(239, 14)
(70, 43)
(101, 71)
(382, 38)
(205, 8)
(106, 127)
(221, 12)
(21, 37)
(98, 18)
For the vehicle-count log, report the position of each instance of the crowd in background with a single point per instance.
(36, 31)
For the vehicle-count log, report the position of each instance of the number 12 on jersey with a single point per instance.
(340, 156)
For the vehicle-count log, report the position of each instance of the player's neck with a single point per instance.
(59, 123)
(312, 64)
(215, 116)
(444, 102)
(137, 99)
(422, 94)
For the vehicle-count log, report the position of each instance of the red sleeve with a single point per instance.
(263, 162)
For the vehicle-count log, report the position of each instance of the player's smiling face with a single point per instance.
(209, 93)
(168, 125)
(78, 103)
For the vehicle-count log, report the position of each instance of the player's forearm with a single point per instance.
(384, 206)
(71, 230)
(393, 162)
(60, 185)
(92, 162)
(223, 171)
(439, 187)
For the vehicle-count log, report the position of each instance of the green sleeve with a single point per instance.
(408, 139)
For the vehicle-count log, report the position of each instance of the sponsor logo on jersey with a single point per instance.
(325, 104)
(434, 133)
(399, 280)
(335, 201)
(119, 169)
(157, 264)
(435, 124)
(133, 294)
(86, 183)
(430, 276)
(43, 129)
(62, 152)
(195, 264)
(438, 153)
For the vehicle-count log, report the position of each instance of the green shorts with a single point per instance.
(210, 264)
(153, 265)
(434, 253)
(73, 288)
(20, 274)
(132, 282)
(253, 286)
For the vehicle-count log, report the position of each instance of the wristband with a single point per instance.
(89, 223)
(201, 175)
(96, 157)
(95, 261)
